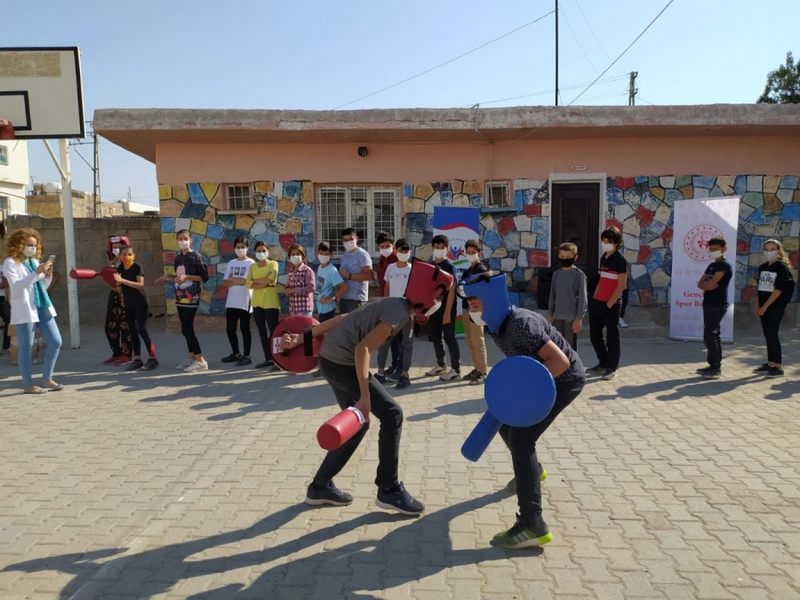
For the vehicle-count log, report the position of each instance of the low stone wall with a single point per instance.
(90, 244)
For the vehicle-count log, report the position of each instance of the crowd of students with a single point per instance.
(254, 286)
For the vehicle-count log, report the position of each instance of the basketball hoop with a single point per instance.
(7, 130)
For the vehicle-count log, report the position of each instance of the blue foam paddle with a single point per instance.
(519, 392)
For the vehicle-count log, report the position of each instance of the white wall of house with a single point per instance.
(14, 175)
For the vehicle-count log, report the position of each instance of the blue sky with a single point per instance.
(318, 54)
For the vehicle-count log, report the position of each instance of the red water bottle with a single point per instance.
(336, 431)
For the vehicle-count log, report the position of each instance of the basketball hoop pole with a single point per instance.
(69, 243)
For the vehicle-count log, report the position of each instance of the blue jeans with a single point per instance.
(52, 337)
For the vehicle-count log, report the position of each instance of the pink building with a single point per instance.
(539, 175)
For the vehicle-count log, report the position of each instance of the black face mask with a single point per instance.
(566, 262)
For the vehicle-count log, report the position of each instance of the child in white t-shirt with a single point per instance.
(237, 306)
(396, 279)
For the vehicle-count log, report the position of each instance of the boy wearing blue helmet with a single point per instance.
(518, 331)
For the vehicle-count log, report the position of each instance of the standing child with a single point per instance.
(605, 305)
(714, 284)
(388, 256)
(190, 273)
(116, 324)
(472, 331)
(775, 289)
(262, 276)
(300, 283)
(330, 285)
(237, 306)
(567, 305)
(355, 268)
(396, 281)
(131, 277)
(443, 320)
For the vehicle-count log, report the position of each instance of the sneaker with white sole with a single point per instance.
(399, 500)
(185, 364)
(450, 375)
(196, 366)
(330, 495)
(622, 323)
(437, 370)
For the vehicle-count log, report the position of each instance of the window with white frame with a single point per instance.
(3, 203)
(498, 194)
(369, 209)
(240, 196)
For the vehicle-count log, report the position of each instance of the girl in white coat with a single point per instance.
(28, 280)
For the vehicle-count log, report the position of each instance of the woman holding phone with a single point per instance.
(28, 280)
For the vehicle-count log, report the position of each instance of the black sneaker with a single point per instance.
(763, 368)
(244, 361)
(328, 495)
(394, 374)
(471, 375)
(151, 364)
(380, 377)
(775, 372)
(317, 373)
(400, 500)
(403, 382)
(135, 365)
(479, 379)
(596, 369)
(231, 358)
(609, 374)
(265, 364)
(711, 373)
(523, 535)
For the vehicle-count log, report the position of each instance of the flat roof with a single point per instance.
(140, 130)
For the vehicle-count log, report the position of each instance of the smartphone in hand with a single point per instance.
(51, 258)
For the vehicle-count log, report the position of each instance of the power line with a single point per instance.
(544, 92)
(666, 6)
(447, 62)
(591, 29)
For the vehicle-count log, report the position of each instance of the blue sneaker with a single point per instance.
(400, 500)
(330, 494)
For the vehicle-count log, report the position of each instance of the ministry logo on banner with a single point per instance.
(695, 223)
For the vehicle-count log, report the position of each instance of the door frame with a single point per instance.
(557, 178)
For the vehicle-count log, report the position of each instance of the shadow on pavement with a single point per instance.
(424, 544)
(678, 389)
(472, 406)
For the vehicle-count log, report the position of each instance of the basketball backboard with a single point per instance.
(40, 92)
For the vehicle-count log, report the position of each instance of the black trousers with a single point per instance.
(344, 382)
(521, 441)
(136, 315)
(234, 317)
(770, 325)
(606, 347)
(266, 321)
(118, 333)
(712, 318)
(346, 305)
(5, 314)
(186, 315)
(438, 331)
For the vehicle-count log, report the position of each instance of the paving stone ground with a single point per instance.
(168, 485)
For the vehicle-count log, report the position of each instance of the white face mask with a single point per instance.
(323, 259)
(715, 254)
(386, 252)
(476, 318)
(770, 255)
(295, 259)
(607, 247)
(437, 304)
(115, 251)
(240, 252)
(403, 256)
(183, 244)
(29, 251)
(439, 253)
(350, 245)
(262, 255)
(473, 258)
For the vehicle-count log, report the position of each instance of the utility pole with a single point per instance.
(556, 52)
(96, 175)
(632, 89)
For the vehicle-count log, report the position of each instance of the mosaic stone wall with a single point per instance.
(642, 208)
(283, 217)
(516, 241)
